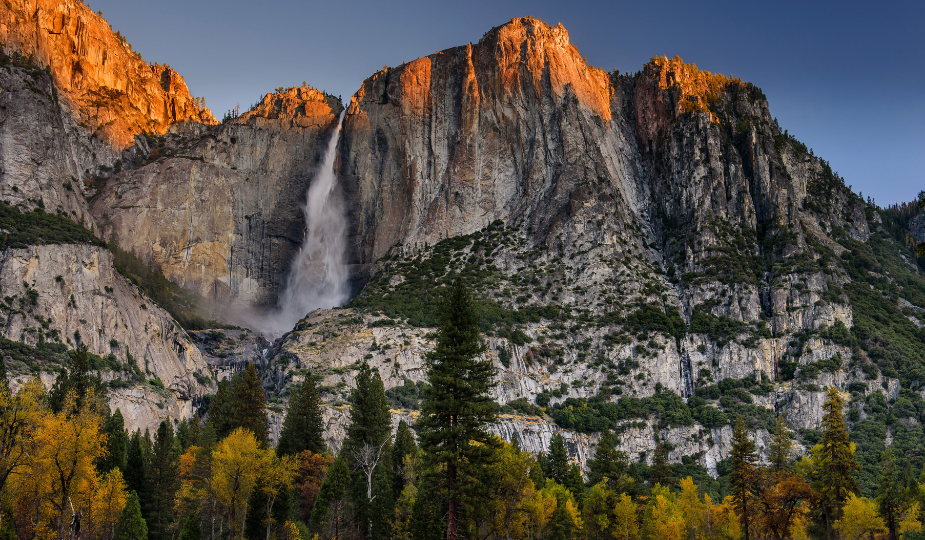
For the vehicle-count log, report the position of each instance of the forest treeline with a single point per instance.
(69, 469)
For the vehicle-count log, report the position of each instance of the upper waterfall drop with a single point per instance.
(318, 275)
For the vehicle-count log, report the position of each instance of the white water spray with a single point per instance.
(318, 276)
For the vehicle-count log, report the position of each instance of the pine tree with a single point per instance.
(191, 530)
(557, 465)
(240, 403)
(576, 484)
(404, 446)
(781, 445)
(255, 524)
(457, 406)
(367, 448)
(428, 520)
(834, 459)
(536, 472)
(889, 496)
(661, 472)
(329, 505)
(183, 434)
(370, 420)
(608, 464)
(76, 378)
(136, 466)
(131, 525)
(303, 428)
(221, 410)
(116, 443)
(250, 406)
(163, 481)
(742, 477)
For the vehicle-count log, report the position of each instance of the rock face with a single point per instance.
(223, 217)
(72, 294)
(109, 87)
(44, 153)
(516, 127)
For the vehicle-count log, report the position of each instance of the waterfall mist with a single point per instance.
(318, 275)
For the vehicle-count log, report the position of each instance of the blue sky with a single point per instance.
(846, 78)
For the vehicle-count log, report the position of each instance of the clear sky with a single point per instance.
(847, 78)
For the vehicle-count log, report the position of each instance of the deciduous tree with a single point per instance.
(859, 519)
(238, 462)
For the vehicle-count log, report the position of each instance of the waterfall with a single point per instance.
(318, 275)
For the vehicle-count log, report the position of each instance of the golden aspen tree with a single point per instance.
(598, 511)
(513, 486)
(540, 508)
(275, 482)
(105, 504)
(625, 521)
(67, 444)
(238, 462)
(724, 523)
(910, 520)
(20, 415)
(693, 509)
(663, 517)
(565, 521)
(860, 519)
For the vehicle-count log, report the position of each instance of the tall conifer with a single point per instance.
(889, 496)
(661, 472)
(136, 467)
(303, 428)
(250, 406)
(132, 525)
(834, 460)
(163, 482)
(116, 443)
(781, 445)
(742, 477)
(457, 405)
(557, 464)
(608, 463)
(367, 449)
(404, 446)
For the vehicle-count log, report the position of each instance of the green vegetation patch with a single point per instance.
(880, 277)
(595, 414)
(23, 229)
(418, 298)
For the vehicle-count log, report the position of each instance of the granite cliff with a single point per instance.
(107, 85)
(218, 208)
(75, 106)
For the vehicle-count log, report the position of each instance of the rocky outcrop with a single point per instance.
(515, 127)
(44, 153)
(109, 87)
(72, 294)
(223, 216)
